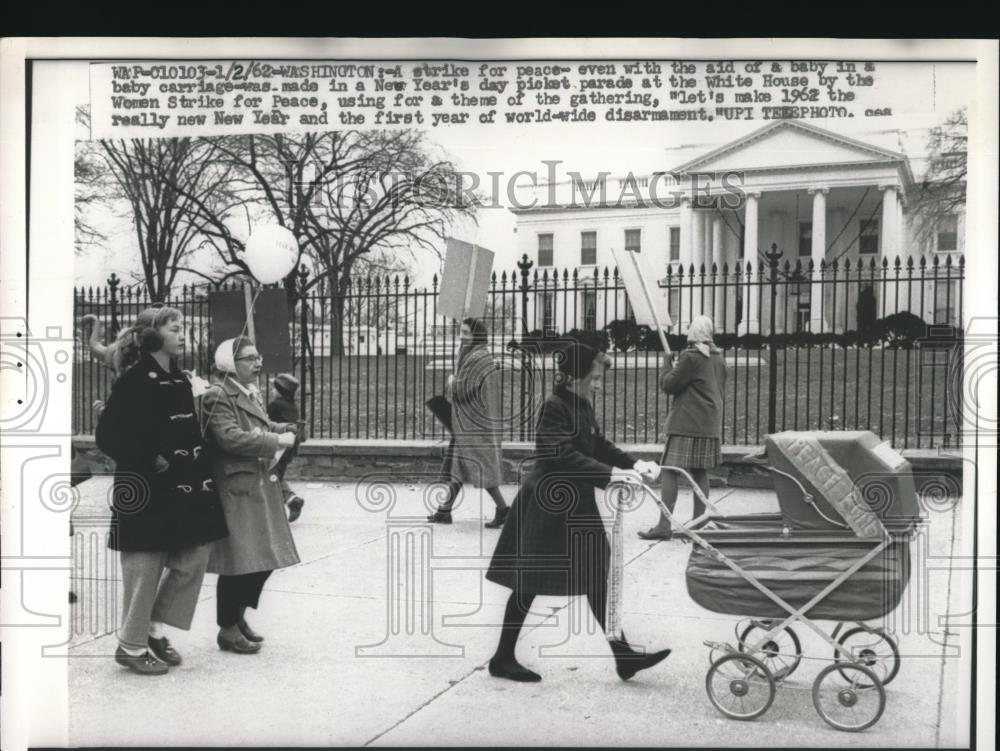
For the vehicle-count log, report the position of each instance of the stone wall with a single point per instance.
(420, 461)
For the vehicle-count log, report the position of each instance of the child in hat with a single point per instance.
(282, 408)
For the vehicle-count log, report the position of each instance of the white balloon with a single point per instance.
(271, 252)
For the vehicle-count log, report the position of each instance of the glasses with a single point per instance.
(254, 358)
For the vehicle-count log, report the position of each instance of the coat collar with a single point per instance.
(233, 390)
(572, 398)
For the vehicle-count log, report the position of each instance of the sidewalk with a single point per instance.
(345, 664)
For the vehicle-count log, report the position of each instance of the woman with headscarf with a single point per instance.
(697, 381)
(165, 508)
(554, 541)
(244, 446)
(474, 454)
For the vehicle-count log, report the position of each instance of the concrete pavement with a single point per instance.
(354, 655)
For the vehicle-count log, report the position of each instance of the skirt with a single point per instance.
(693, 452)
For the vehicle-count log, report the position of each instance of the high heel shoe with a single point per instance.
(628, 662)
(499, 518)
(512, 670)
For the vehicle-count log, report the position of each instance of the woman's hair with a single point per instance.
(478, 330)
(143, 336)
(576, 360)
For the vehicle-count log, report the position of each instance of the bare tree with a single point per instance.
(941, 194)
(166, 183)
(345, 195)
(89, 187)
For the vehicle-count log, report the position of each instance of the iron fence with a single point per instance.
(868, 344)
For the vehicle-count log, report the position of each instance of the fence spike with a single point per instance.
(885, 263)
(835, 265)
(715, 268)
(909, 264)
(897, 264)
(936, 261)
(961, 261)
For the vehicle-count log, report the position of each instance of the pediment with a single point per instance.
(787, 144)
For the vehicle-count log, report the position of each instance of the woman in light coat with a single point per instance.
(474, 454)
(697, 383)
(244, 445)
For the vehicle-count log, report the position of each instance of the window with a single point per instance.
(674, 305)
(588, 248)
(674, 242)
(946, 302)
(868, 237)
(632, 237)
(805, 238)
(548, 312)
(947, 234)
(589, 310)
(545, 250)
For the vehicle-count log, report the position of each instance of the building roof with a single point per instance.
(864, 151)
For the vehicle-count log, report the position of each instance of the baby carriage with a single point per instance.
(837, 550)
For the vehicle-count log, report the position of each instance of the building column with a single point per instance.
(838, 226)
(890, 222)
(718, 260)
(697, 259)
(816, 314)
(891, 247)
(686, 230)
(778, 220)
(751, 297)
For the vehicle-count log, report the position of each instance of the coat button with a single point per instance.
(273, 478)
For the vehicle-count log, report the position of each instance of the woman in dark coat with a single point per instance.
(694, 424)
(554, 541)
(474, 454)
(165, 510)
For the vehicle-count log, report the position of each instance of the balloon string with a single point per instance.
(243, 332)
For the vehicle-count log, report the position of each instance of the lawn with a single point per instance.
(904, 396)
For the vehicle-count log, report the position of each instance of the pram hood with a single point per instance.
(854, 478)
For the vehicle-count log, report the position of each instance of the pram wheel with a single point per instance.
(782, 653)
(848, 696)
(740, 686)
(875, 650)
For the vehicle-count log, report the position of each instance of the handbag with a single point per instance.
(440, 407)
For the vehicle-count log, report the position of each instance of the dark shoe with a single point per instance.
(239, 645)
(164, 652)
(440, 517)
(513, 670)
(656, 533)
(294, 510)
(628, 662)
(498, 519)
(144, 664)
(248, 633)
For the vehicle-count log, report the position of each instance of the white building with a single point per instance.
(816, 195)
